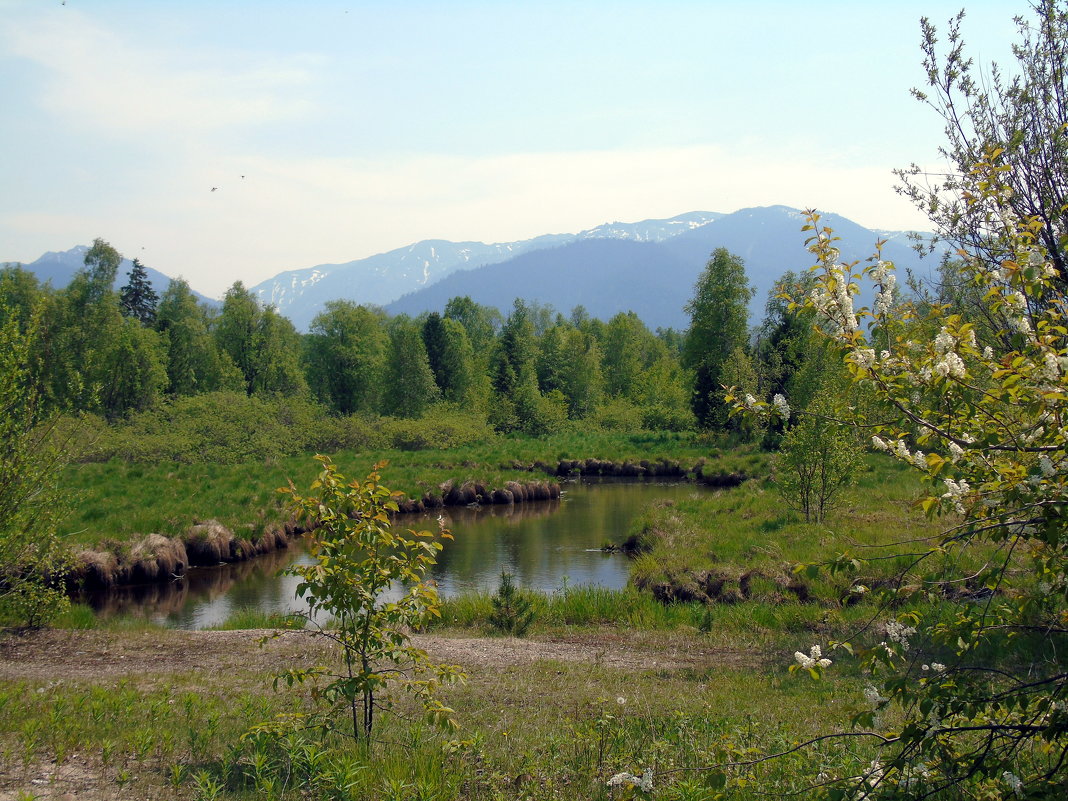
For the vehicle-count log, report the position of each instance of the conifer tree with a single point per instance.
(138, 299)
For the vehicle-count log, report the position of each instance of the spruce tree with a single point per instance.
(138, 299)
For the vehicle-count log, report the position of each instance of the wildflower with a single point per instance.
(750, 401)
(814, 658)
(988, 353)
(955, 452)
(621, 700)
(880, 444)
(782, 406)
(859, 589)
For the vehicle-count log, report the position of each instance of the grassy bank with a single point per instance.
(123, 501)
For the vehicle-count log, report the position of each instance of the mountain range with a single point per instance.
(59, 267)
(648, 267)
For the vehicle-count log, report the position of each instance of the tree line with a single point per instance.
(107, 352)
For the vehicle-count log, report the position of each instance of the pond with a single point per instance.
(544, 544)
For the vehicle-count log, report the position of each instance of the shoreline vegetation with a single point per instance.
(110, 552)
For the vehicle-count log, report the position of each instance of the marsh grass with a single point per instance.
(124, 500)
(742, 544)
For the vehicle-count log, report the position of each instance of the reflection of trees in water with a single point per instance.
(201, 584)
(539, 542)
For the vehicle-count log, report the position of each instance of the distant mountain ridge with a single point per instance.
(385, 277)
(59, 267)
(656, 279)
(648, 267)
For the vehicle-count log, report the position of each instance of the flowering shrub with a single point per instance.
(979, 407)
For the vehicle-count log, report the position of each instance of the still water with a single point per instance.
(544, 544)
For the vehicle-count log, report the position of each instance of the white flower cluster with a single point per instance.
(782, 406)
(864, 357)
(1017, 303)
(951, 364)
(1051, 367)
(836, 304)
(899, 633)
(955, 452)
(899, 449)
(884, 297)
(1013, 782)
(945, 341)
(955, 491)
(814, 658)
(937, 667)
(643, 782)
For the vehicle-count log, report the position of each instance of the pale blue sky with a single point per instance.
(365, 126)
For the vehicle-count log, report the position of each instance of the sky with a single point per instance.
(225, 140)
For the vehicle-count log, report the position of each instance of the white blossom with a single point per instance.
(988, 353)
(955, 452)
(782, 406)
(1045, 464)
(899, 633)
(1012, 781)
(955, 491)
(879, 443)
(950, 365)
(1016, 301)
(864, 357)
(1051, 368)
(945, 341)
(814, 658)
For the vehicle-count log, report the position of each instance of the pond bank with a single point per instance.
(157, 558)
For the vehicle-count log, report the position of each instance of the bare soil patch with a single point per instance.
(101, 655)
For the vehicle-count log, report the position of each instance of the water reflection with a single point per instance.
(544, 544)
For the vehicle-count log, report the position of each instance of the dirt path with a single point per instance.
(84, 655)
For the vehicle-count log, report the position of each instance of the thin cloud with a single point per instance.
(96, 77)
